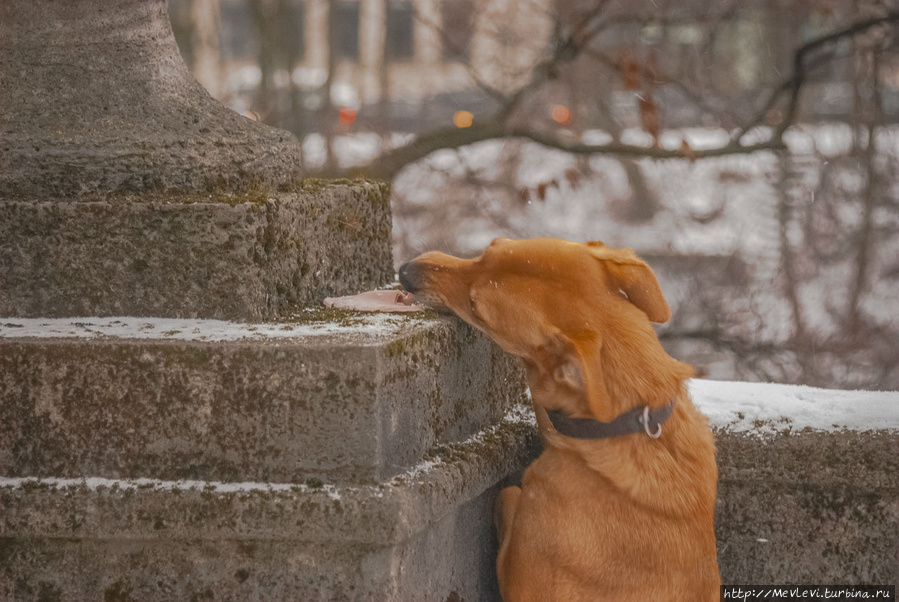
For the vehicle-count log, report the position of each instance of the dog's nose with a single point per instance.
(409, 276)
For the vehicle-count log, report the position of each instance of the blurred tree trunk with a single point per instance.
(266, 20)
(643, 203)
(297, 116)
(326, 118)
(866, 118)
(207, 54)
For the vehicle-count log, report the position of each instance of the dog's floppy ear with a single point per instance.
(574, 373)
(633, 276)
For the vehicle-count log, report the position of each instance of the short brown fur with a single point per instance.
(626, 519)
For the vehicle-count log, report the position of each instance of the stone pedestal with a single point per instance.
(295, 402)
(285, 455)
(341, 458)
(234, 256)
(125, 189)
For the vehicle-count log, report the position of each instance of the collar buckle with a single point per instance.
(644, 419)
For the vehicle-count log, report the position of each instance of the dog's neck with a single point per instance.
(634, 370)
(626, 368)
(633, 463)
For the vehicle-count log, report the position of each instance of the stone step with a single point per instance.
(333, 397)
(235, 256)
(808, 507)
(425, 534)
(808, 492)
(794, 506)
(808, 482)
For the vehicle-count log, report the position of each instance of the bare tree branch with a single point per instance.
(389, 163)
(801, 68)
(570, 44)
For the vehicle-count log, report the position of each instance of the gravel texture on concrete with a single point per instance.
(808, 507)
(346, 407)
(425, 534)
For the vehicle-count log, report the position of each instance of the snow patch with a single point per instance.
(194, 329)
(518, 414)
(764, 408)
(95, 483)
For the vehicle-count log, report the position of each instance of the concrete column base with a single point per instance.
(235, 256)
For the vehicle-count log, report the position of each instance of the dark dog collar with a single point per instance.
(637, 420)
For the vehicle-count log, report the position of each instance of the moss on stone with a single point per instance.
(324, 315)
(315, 315)
(395, 348)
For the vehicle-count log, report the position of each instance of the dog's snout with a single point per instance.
(410, 276)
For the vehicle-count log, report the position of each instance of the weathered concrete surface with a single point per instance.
(97, 99)
(351, 407)
(230, 256)
(797, 506)
(424, 535)
(808, 507)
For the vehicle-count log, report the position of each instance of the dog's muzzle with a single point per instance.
(410, 276)
(414, 276)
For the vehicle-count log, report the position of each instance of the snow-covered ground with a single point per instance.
(197, 330)
(713, 206)
(764, 408)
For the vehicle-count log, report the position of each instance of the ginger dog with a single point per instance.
(620, 505)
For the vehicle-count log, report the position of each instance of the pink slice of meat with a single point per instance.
(389, 301)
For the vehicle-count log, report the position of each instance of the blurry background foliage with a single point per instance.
(748, 149)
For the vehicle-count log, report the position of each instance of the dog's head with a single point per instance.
(574, 312)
